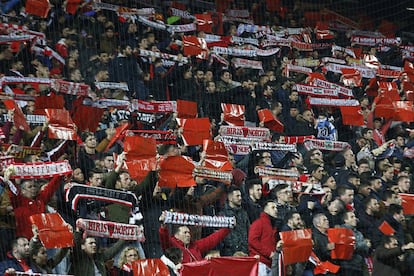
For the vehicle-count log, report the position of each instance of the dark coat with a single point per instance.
(386, 262)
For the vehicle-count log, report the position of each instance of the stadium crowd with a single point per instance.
(302, 119)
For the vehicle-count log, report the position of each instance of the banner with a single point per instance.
(247, 63)
(186, 109)
(310, 90)
(160, 136)
(273, 146)
(257, 133)
(112, 230)
(60, 124)
(176, 171)
(277, 172)
(40, 170)
(213, 174)
(111, 85)
(347, 92)
(332, 102)
(246, 266)
(76, 192)
(19, 119)
(233, 114)
(21, 152)
(32, 120)
(352, 116)
(407, 202)
(296, 139)
(366, 72)
(270, 122)
(141, 156)
(154, 107)
(195, 130)
(71, 88)
(54, 232)
(216, 155)
(154, 267)
(298, 69)
(344, 240)
(199, 220)
(297, 245)
(325, 145)
(166, 56)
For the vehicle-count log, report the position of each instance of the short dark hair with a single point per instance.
(342, 189)
(280, 187)
(394, 209)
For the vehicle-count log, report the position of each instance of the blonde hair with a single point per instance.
(123, 257)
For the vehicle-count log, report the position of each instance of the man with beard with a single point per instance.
(17, 259)
(237, 239)
(368, 220)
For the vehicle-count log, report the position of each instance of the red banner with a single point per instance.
(176, 171)
(72, 88)
(195, 130)
(87, 117)
(344, 240)
(141, 156)
(386, 228)
(60, 125)
(186, 109)
(407, 203)
(246, 266)
(150, 267)
(113, 230)
(18, 116)
(216, 155)
(297, 245)
(54, 232)
(233, 114)
(352, 116)
(266, 116)
(22, 151)
(160, 136)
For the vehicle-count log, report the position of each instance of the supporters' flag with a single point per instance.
(41, 169)
(386, 228)
(38, 7)
(76, 192)
(322, 267)
(87, 117)
(176, 171)
(204, 23)
(150, 267)
(272, 123)
(113, 230)
(297, 245)
(322, 31)
(351, 77)
(344, 240)
(60, 125)
(160, 136)
(404, 111)
(186, 109)
(120, 133)
(195, 130)
(407, 203)
(198, 220)
(247, 266)
(18, 116)
(22, 151)
(54, 232)
(194, 46)
(352, 115)
(389, 90)
(315, 75)
(216, 155)
(141, 156)
(233, 114)
(50, 101)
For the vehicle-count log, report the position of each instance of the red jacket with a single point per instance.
(195, 250)
(262, 239)
(25, 207)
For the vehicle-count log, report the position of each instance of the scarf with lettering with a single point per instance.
(199, 220)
